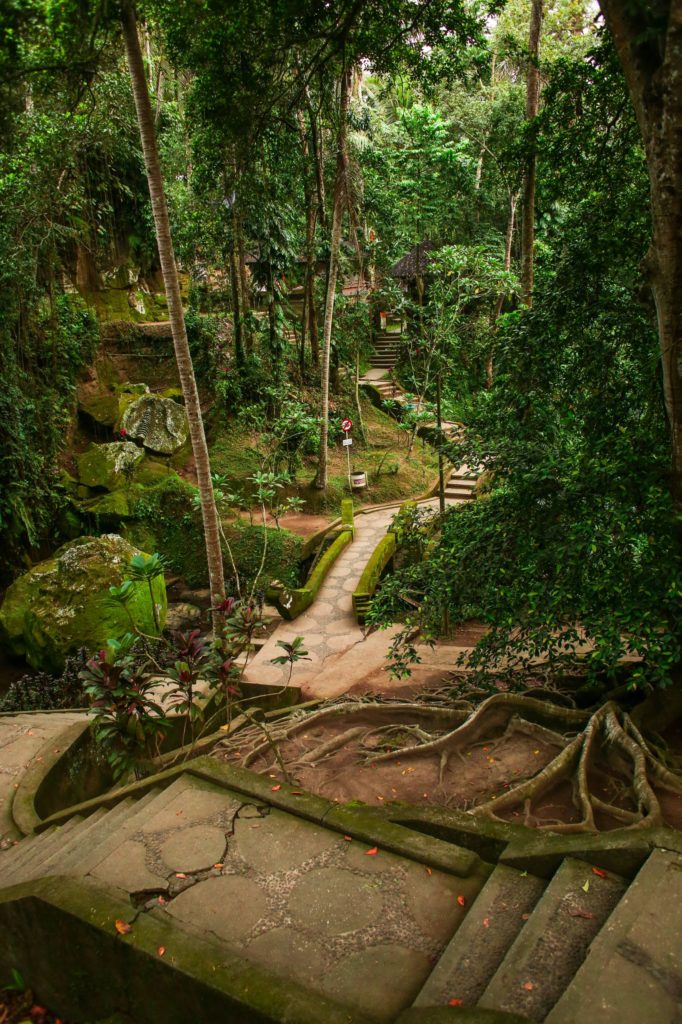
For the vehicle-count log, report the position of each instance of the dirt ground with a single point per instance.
(479, 774)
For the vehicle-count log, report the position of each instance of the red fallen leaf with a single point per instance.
(296, 792)
(275, 788)
(179, 874)
(429, 871)
(161, 950)
(582, 913)
(349, 839)
(371, 853)
(461, 901)
(38, 1011)
(218, 866)
(162, 900)
(122, 927)
(525, 917)
(598, 871)
(455, 1002)
(486, 922)
(528, 985)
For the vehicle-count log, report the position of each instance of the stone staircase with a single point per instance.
(461, 485)
(385, 354)
(283, 880)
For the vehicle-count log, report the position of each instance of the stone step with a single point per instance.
(467, 483)
(480, 943)
(48, 842)
(108, 841)
(36, 870)
(554, 942)
(633, 970)
(29, 849)
(76, 843)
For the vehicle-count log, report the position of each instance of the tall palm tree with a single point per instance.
(145, 120)
(338, 206)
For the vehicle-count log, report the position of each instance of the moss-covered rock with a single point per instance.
(101, 407)
(109, 465)
(160, 423)
(113, 505)
(63, 604)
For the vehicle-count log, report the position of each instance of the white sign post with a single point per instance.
(346, 425)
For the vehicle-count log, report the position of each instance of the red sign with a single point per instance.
(346, 425)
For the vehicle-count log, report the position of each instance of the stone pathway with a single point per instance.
(21, 740)
(304, 901)
(334, 641)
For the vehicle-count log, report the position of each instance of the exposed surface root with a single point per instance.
(600, 764)
(608, 730)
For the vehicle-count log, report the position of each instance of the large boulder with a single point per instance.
(160, 423)
(63, 604)
(109, 465)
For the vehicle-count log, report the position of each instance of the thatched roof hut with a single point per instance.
(415, 262)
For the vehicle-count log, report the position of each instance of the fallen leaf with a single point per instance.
(349, 839)
(425, 795)
(179, 874)
(122, 927)
(582, 913)
(275, 788)
(524, 917)
(429, 871)
(528, 985)
(455, 1002)
(461, 901)
(296, 792)
(486, 922)
(598, 871)
(38, 1011)
(162, 900)
(380, 798)
(218, 865)
(371, 853)
(161, 950)
(536, 751)
(586, 887)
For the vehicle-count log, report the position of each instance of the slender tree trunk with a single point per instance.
(318, 154)
(236, 307)
(244, 289)
(532, 103)
(508, 242)
(308, 318)
(313, 326)
(176, 316)
(648, 40)
(335, 244)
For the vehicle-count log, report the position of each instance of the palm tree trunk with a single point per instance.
(335, 245)
(532, 103)
(145, 119)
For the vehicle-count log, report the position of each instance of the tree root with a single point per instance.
(586, 742)
(614, 730)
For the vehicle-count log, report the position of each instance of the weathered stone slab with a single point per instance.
(633, 972)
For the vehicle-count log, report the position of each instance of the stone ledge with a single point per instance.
(92, 972)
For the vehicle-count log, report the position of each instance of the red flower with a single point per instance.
(123, 432)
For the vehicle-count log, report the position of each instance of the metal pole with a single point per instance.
(350, 485)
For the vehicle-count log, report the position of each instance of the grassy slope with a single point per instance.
(392, 476)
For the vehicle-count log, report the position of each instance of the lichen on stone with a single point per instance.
(109, 465)
(159, 423)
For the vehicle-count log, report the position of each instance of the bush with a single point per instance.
(45, 692)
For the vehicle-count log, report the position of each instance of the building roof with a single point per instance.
(416, 261)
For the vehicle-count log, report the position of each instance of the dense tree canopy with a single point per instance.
(272, 178)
